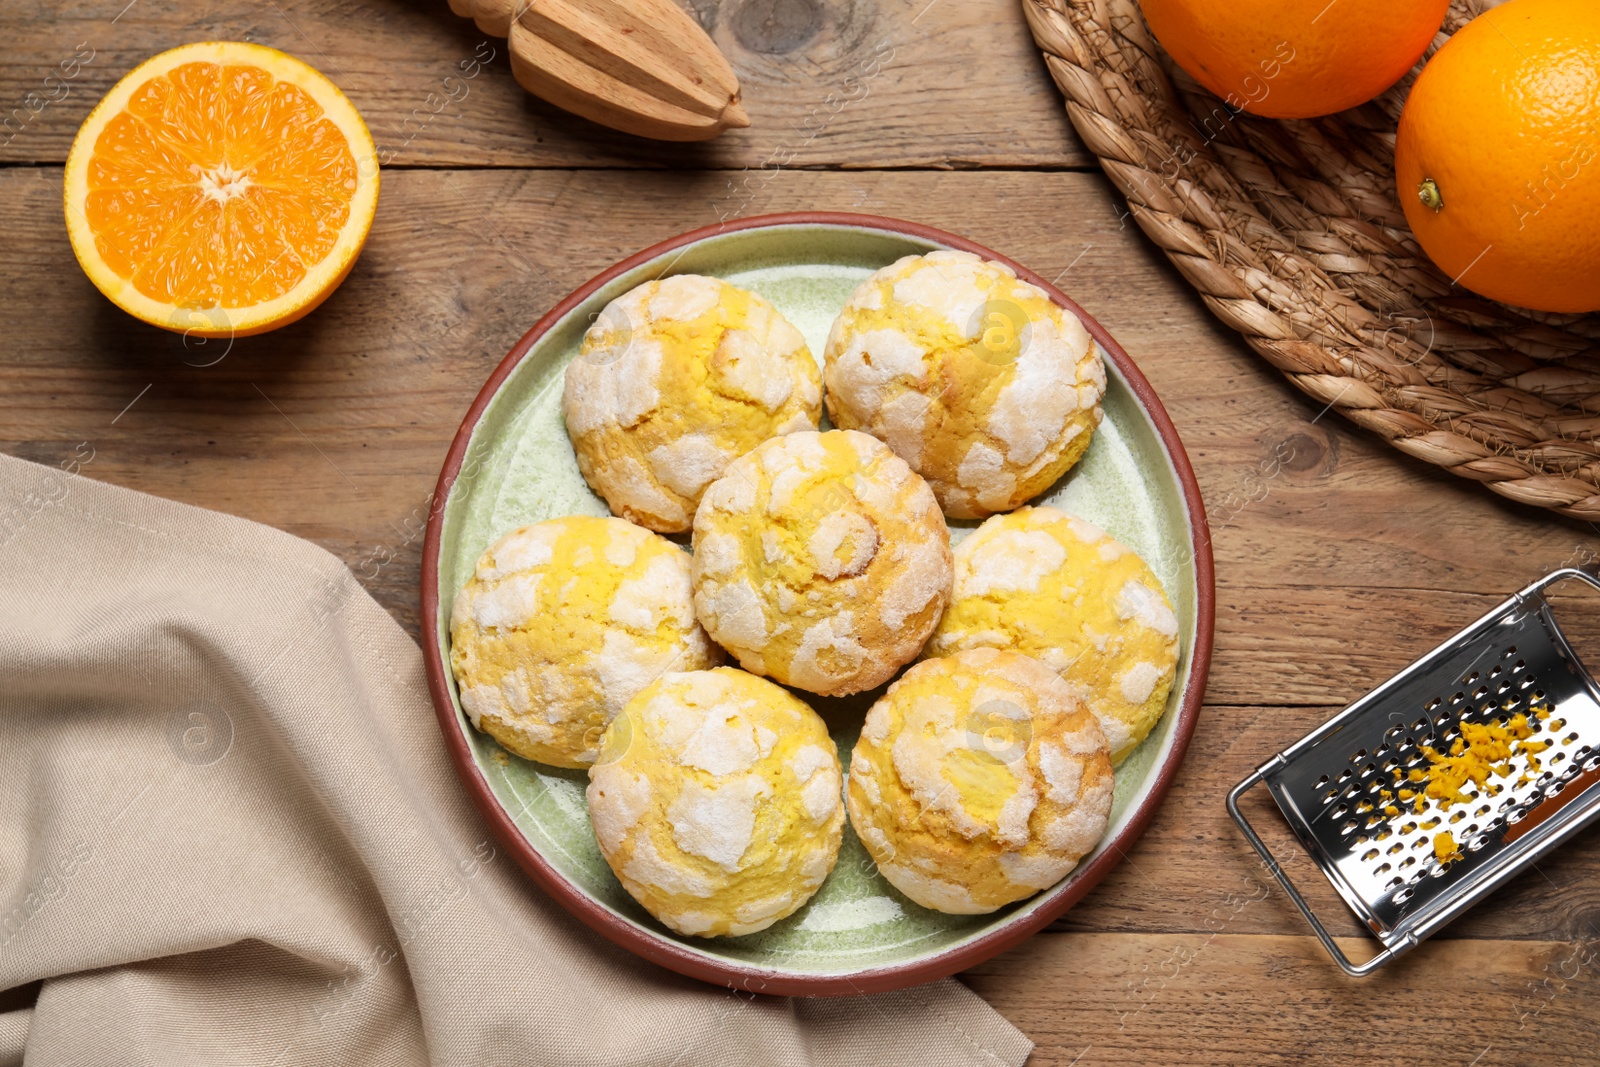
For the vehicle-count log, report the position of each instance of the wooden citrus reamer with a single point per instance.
(640, 66)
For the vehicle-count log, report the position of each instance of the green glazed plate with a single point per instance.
(511, 464)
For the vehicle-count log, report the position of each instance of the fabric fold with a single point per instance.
(229, 833)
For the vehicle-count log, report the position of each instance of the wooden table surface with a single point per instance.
(1338, 559)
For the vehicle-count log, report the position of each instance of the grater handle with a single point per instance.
(1584, 572)
(1355, 970)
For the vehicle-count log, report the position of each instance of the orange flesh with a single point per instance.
(218, 186)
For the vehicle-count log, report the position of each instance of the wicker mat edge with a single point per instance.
(1290, 233)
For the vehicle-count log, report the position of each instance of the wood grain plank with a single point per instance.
(899, 83)
(1195, 1000)
(334, 429)
(1329, 557)
(1338, 560)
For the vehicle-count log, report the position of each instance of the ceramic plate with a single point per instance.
(511, 464)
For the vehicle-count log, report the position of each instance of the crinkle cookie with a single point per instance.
(979, 779)
(676, 379)
(988, 388)
(1043, 583)
(562, 623)
(822, 561)
(716, 801)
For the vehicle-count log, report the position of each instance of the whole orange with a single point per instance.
(1293, 59)
(1496, 157)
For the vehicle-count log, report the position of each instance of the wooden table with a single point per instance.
(1338, 559)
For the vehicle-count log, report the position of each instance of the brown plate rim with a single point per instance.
(670, 954)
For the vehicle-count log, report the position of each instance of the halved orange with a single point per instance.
(220, 189)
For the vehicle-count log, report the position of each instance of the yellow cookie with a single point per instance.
(1040, 582)
(822, 561)
(979, 779)
(676, 379)
(716, 801)
(562, 623)
(988, 388)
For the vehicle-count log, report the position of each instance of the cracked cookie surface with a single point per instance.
(1052, 586)
(977, 379)
(979, 779)
(821, 561)
(716, 801)
(562, 623)
(675, 380)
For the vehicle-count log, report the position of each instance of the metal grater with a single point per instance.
(1328, 784)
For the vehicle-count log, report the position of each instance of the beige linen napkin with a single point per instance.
(229, 834)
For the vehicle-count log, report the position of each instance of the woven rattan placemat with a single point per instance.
(1291, 233)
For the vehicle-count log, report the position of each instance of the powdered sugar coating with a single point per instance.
(979, 779)
(562, 623)
(1062, 590)
(821, 560)
(985, 386)
(716, 801)
(675, 379)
